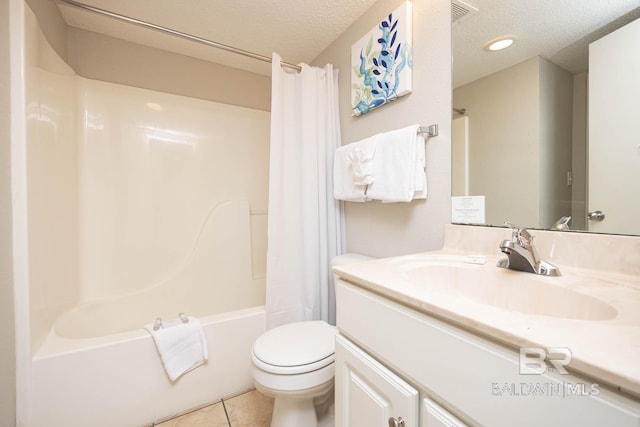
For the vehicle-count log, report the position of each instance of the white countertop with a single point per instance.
(607, 351)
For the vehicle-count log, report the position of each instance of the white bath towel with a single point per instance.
(182, 346)
(399, 166)
(420, 190)
(353, 170)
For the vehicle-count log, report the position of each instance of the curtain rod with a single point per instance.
(175, 33)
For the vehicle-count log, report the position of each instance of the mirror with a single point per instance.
(521, 116)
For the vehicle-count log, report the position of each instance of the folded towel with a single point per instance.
(361, 157)
(399, 166)
(182, 346)
(353, 170)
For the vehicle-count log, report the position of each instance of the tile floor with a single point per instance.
(251, 409)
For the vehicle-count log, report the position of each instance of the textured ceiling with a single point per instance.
(558, 30)
(299, 30)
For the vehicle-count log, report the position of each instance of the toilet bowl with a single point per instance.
(294, 364)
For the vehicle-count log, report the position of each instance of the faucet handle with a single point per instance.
(519, 234)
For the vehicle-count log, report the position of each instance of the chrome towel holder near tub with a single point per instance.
(158, 323)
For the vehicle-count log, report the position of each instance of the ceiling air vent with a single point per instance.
(461, 10)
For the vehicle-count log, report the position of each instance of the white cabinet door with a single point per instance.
(434, 415)
(368, 394)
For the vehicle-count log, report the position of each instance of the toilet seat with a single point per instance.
(295, 348)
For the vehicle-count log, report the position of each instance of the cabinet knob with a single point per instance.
(396, 422)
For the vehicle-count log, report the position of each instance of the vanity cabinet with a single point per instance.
(369, 394)
(396, 361)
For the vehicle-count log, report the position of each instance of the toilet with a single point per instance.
(294, 364)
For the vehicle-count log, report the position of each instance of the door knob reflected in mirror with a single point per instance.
(595, 216)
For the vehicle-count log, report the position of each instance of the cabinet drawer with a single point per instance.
(476, 379)
(434, 415)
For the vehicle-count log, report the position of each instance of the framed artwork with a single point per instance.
(381, 62)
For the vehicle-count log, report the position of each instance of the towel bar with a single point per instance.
(158, 323)
(431, 131)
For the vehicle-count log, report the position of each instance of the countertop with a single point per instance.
(606, 351)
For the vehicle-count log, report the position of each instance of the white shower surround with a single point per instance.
(140, 204)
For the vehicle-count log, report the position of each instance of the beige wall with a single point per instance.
(511, 93)
(113, 60)
(52, 24)
(520, 142)
(378, 229)
(7, 344)
(105, 58)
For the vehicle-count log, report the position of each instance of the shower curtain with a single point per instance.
(305, 223)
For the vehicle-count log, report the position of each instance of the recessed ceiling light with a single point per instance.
(499, 43)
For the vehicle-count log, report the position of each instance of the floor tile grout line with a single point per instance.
(187, 412)
(225, 412)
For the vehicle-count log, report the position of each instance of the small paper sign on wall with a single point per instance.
(468, 210)
(381, 62)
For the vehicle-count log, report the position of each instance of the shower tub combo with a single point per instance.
(98, 367)
(142, 204)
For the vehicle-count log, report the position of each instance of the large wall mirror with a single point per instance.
(547, 128)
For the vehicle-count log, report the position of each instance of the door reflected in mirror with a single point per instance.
(537, 132)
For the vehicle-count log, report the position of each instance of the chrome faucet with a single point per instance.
(562, 224)
(522, 255)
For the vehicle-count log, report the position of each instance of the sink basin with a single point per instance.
(509, 290)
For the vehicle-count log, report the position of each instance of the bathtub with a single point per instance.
(99, 367)
(118, 380)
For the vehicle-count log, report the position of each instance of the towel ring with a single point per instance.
(158, 323)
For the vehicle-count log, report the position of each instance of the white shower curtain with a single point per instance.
(305, 224)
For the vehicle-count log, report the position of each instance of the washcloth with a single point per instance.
(353, 170)
(182, 346)
(399, 166)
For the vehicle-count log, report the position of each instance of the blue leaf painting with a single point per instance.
(383, 55)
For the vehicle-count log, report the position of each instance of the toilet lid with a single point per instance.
(296, 344)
